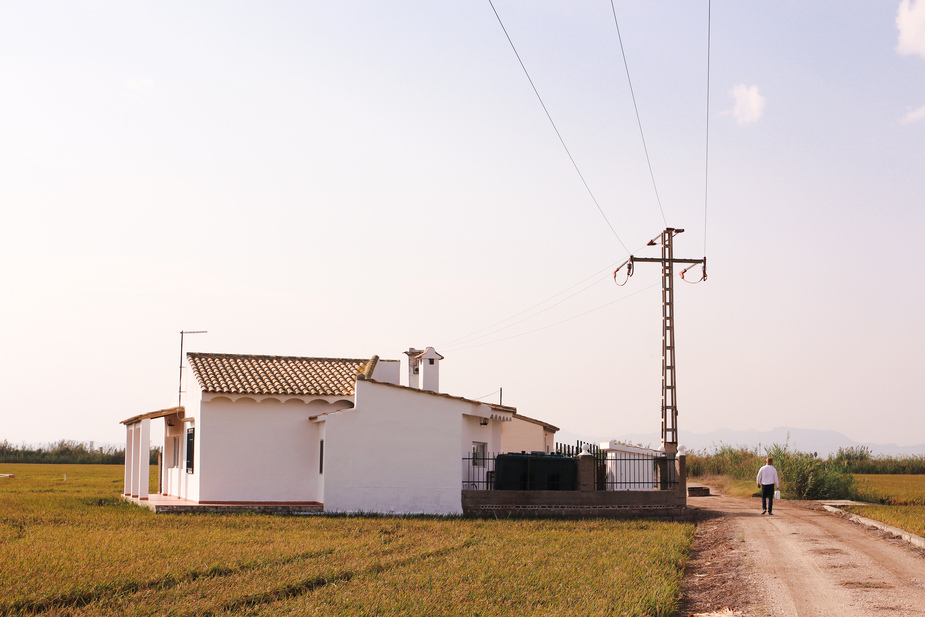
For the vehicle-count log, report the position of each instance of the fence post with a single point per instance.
(682, 477)
(587, 472)
(662, 465)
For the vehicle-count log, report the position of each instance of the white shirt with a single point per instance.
(767, 475)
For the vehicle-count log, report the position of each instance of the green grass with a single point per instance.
(73, 547)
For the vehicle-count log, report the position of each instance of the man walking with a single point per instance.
(768, 482)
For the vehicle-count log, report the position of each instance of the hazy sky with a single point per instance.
(353, 178)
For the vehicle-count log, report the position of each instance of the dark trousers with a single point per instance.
(767, 497)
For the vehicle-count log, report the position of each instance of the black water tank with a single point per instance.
(535, 472)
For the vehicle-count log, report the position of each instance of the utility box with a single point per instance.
(535, 472)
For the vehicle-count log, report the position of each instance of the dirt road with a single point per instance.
(801, 562)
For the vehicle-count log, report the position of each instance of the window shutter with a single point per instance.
(190, 446)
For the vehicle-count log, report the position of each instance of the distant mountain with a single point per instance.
(799, 439)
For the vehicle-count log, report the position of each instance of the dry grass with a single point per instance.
(75, 548)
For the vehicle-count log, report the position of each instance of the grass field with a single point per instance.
(899, 490)
(900, 499)
(73, 547)
(909, 518)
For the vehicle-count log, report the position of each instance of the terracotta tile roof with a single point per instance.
(275, 375)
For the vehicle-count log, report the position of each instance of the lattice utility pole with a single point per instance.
(669, 383)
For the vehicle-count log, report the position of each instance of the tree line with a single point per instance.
(66, 452)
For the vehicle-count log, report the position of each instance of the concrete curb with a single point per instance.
(911, 538)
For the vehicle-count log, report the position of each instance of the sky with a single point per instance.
(344, 179)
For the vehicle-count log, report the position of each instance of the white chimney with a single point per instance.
(424, 369)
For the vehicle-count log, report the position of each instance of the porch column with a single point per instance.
(129, 458)
(143, 456)
(136, 445)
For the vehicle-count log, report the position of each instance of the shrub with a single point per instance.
(880, 464)
(802, 475)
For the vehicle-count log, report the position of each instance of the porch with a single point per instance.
(160, 504)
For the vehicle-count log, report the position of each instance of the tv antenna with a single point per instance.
(180, 389)
(669, 384)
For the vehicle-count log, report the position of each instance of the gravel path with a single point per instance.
(801, 562)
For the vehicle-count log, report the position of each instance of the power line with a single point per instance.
(555, 128)
(706, 163)
(558, 322)
(478, 398)
(636, 108)
(473, 335)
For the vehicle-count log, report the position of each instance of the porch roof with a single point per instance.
(276, 375)
(151, 415)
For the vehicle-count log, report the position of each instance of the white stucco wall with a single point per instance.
(524, 436)
(182, 484)
(248, 448)
(396, 452)
(388, 371)
(264, 450)
(474, 431)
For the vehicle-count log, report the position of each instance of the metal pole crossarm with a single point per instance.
(669, 381)
(673, 260)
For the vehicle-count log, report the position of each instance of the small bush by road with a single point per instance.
(803, 475)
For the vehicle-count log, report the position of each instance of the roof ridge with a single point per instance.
(512, 410)
(270, 357)
(275, 375)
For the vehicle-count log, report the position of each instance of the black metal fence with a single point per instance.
(569, 450)
(624, 471)
(614, 471)
(478, 472)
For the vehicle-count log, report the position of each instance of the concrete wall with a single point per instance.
(397, 451)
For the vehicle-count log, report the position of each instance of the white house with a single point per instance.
(340, 432)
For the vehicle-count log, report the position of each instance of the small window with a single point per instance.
(175, 452)
(430, 360)
(321, 457)
(190, 443)
(479, 453)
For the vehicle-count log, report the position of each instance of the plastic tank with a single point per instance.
(535, 472)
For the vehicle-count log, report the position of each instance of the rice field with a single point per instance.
(909, 518)
(900, 500)
(73, 547)
(891, 489)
